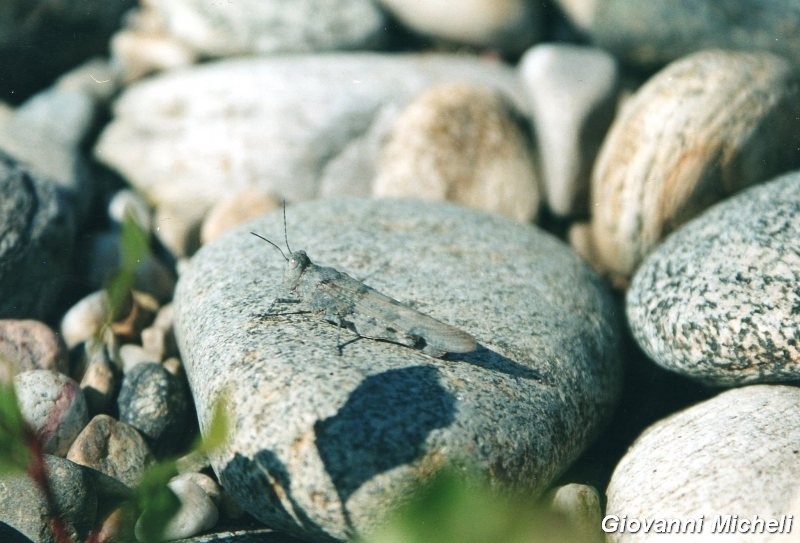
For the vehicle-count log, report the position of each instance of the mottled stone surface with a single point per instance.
(111, 447)
(206, 131)
(23, 506)
(54, 406)
(462, 143)
(735, 454)
(656, 32)
(37, 236)
(702, 128)
(719, 299)
(217, 29)
(323, 444)
(156, 403)
(572, 91)
(506, 25)
(29, 345)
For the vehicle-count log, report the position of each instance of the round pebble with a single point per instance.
(339, 439)
(54, 406)
(156, 403)
(111, 447)
(234, 210)
(29, 345)
(735, 454)
(461, 143)
(704, 127)
(197, 511)
(131, 355)
(718, 301)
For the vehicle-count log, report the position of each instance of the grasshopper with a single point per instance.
(348, 303)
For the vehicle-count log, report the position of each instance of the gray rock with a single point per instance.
(29, 345)
(54, 406)
(40, 40)
(718, 300)
(205, 129)
(38, 234)
(654, 33)
(23, 506)
(111, 447)
(735, 454)
(510, 26)
(213, 29)
(572, 91)
(324, 444)
(156, 403)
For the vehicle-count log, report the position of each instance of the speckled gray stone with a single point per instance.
(37, 236)
(719, 300)
(54, 406)
(156, 403)
(322, 445)
(29, 345)
(735, 454)
(23, 507)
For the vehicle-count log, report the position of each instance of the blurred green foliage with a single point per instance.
(14, 455)
(134, 246)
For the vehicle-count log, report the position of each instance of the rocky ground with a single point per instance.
(604, 195)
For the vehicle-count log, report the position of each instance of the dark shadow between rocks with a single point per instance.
(489, 359)
(383, 424)
(9, 534)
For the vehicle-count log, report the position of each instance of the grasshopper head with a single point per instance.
(295, 266)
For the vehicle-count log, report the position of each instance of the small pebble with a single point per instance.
(579, 506)
(139, 316)
(209, 485)
(461, 143)
(240, 207)
(174, 366)
(54, 406)
(196, 514)
(112, 447)
(84, 319)
(132, 354)
(156, 403)
(29, 345)
(99, 383)
(129, 204)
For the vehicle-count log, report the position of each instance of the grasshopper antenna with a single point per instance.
(273, 244)
(285, 235)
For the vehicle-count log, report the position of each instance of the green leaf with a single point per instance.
(156, 503)
(217, 432)
(14, 455)
(134, 244)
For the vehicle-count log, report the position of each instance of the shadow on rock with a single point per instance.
(488, 359)
(383, 424)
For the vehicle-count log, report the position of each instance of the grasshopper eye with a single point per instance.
(293, 263)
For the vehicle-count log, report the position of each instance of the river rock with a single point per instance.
(508, 25)
(156, 403)
(212, 29)
(205, 130)
(54, 406)
(462, 143)
(735, 454)
(23, 506)
(654, 33)
(29, 345)
(718, 300)
(112, 447)
(702, 128)
(38, 233)
(324, 444)
(572, 91)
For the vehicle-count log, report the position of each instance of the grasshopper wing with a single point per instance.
(379, 316)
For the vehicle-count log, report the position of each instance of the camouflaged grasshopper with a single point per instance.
(348, 303)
